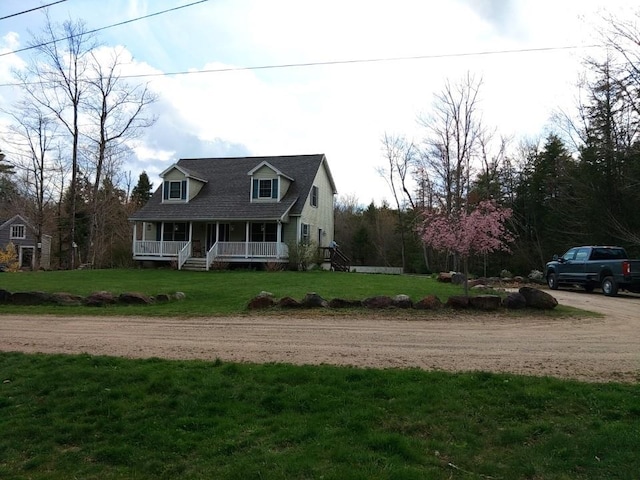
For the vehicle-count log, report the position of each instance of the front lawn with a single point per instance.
(214, 292)
(105, 418)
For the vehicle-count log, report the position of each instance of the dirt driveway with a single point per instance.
(591, 349)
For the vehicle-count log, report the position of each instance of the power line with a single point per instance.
(362, 60)
(346, 62)
(103, 28)
(31, 10)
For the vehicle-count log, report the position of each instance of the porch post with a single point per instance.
(278, 238)
(135, 230)
(162, 239)
(191, 231)
(246, 240)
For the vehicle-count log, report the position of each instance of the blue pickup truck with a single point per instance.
(595, 266)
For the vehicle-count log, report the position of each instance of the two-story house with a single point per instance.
(244, 209)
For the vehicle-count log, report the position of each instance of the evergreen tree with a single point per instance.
(8, 190)
(141, 193)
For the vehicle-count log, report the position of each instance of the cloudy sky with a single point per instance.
(528, 53)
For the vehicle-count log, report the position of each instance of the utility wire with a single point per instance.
(345, 62)
(31, 10)
(102, 28)
(362, 60)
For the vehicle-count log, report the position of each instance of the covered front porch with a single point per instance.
(209, 242)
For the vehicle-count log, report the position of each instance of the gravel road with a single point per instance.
(594, 349)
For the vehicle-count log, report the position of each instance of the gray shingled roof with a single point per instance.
(227, 193)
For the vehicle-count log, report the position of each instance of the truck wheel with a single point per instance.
(609, 287)
(552, 281)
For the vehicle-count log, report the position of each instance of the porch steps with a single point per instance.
(195, 264)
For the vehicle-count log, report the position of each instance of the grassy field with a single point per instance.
(105, 418)
(213, 293)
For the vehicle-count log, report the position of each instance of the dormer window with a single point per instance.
(175, 190)
(265, 188)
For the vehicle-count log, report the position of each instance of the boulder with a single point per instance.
(514, 301)
(100, 299)
(5, 296)
(31, 298)
(313, 300)
(458, 301)
(288, 302)
(67, 299)
(444, 277)
(134, 298)
(377, 302)
(430, 302)
(262, 300)
(402, 301)
(485, 302)
(344, 303)
(537, 298)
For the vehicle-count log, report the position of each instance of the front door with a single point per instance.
(26, 257)
(223, 233)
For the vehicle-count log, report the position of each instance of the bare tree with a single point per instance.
(55, 80)
(116, 111)
(33, 132)
(400, 155)
(451, 140)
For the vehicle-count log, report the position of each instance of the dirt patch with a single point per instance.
(596, 349)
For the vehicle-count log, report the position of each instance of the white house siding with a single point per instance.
(194, 187)
(320, 217)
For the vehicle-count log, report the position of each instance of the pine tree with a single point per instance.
(142, 191)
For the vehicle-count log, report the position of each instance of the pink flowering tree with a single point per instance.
(477, 232)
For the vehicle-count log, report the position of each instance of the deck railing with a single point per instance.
(184, 254)
(223, 250)
(153, 248)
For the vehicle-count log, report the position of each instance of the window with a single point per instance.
(18, 231)
(582, 254)
(304, 232)
(174, 232)
(265, 188)
(314, 196)
(175, 190)
(264, 232)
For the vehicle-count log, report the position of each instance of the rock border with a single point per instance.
(526, 297)
(95, 299)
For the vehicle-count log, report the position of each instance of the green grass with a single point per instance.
(216, 293)
(100, 417)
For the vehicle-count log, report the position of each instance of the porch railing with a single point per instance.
(230, 250)
(184, 254)
(153, 248)
(247, 250)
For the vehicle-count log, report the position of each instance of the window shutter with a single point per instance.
(159, 229)
(274, 188)
(184, 190)
(255, 188)
(166, 191)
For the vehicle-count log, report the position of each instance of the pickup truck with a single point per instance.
(595, 266)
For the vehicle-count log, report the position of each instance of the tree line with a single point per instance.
(578, 184)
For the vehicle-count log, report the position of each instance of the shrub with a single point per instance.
(301, 255)
(9, 258)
